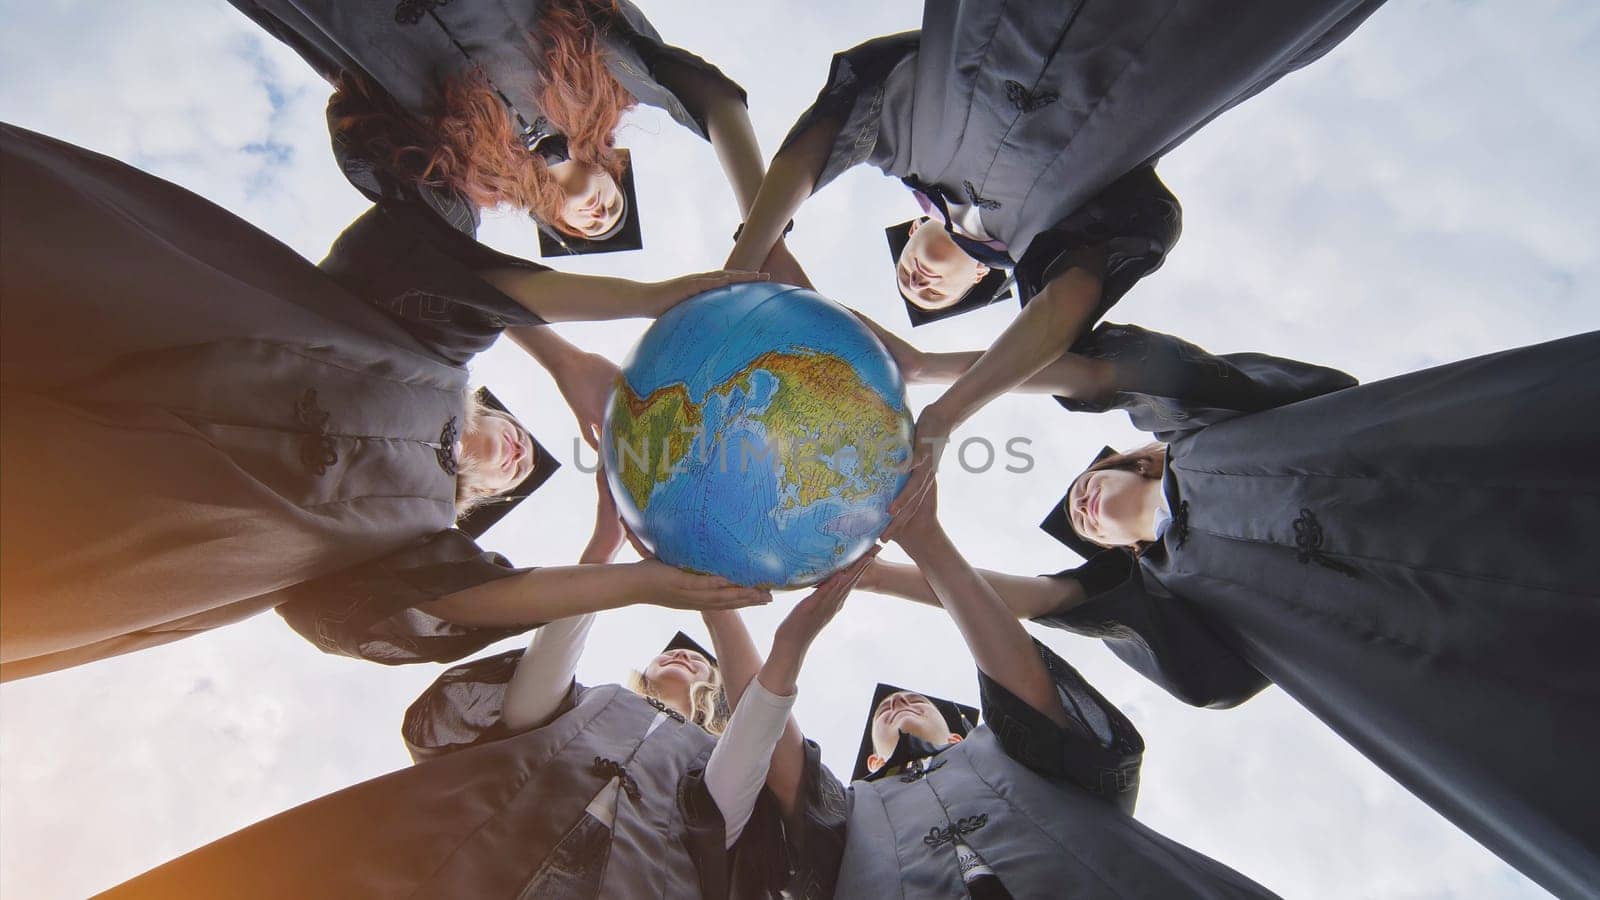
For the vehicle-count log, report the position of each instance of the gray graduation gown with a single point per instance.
(1412, 560)
(200, 425)
(411, 48)
(488, 814)
(1029, 110)
(1048, 809)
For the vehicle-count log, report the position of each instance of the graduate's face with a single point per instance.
(682, 666)
(911, 713)
(933, 272)
(1111, 507)
(594, 203)
(501, 452)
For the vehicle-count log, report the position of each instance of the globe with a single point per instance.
(758, 432)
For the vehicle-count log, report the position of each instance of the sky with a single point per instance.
(1421, 195)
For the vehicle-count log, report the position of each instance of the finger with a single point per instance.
(912, 490)
(733, 276)
(737, 598)
(695, 582)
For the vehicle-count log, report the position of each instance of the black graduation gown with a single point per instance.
(1047, 809)
(490, 814)
(200, 425)
(1033, 111)
(1413, 561)
(410, 48)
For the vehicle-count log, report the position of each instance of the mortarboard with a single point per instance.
(481, 517)
(994, 286)
(625, 235)
(960, 718)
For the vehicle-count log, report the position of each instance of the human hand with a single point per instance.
(585, 382)
(808, 617)
(916, 526)
(911, 362)
(928, 444)
(609, 532)
(659, 584)
(784, 268)
(667, 294)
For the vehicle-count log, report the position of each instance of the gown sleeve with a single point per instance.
(407, 262)
(1121, 234)
(1171, 387)
(1098, 749)
(378, 610)
(854, 96)
(816, 846)
(462, 708)
(664, 61)
(1161, 637)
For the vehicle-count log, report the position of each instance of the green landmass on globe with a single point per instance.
(776, 473)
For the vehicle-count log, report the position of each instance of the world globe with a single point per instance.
(758, 432)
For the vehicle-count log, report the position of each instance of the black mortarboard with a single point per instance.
(993, 286)
(681, 641)
(481, 517)
(960, 718)
(624, 236)
(1059, 525)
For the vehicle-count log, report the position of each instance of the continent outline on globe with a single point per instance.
(758, 432)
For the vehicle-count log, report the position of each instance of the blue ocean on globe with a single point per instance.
(758, 432)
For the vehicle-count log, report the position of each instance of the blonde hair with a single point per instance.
(708, 700)
(472, 489)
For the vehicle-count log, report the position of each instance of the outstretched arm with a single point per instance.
(1027, 597)
(566, 297)
(778, 675)
(998, 643)
(789, 181)
(1069, 375)
(1055, 319)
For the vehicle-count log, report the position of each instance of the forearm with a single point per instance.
(549, 349)
(566, 297)
(1026, 596)
(734, 140)
(541, 595)
(737, 657)
(784, 774)
(1037, 337)
(998, 643)
(788, 182)
(544, 674)
(740, 763)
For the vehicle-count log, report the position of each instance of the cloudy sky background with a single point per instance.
(1424, 194)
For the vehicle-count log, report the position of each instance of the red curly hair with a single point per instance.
(473, 146)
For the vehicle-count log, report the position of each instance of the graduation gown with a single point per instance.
(489, 814)
(200, 425)
(1412, 560)
(1032, 111)
(1047, 809)
(410, 48)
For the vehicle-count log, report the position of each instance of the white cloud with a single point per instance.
(1420, 195)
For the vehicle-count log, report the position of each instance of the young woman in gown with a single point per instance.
(1409, 559)
(200, 426)
(529, 784)
(1027, 133)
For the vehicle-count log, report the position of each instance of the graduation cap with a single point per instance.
(960, 719)
(625, 235)
(1059, 525)
(479, 519)
(994, 286)
(681, 641)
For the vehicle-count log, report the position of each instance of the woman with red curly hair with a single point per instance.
(444, 109)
